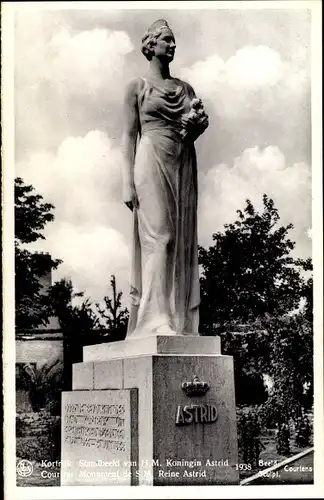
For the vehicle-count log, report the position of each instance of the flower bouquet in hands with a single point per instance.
(195, 122)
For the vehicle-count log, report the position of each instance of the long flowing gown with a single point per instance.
(164, 270)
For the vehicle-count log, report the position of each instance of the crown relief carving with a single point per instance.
(195, 388)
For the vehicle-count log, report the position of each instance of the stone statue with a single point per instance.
(163, 118)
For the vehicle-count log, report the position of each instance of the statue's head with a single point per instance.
(158, 40)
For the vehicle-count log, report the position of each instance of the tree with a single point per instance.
(31, 216)
(77, 321)
(290, 365)
(249, 350)
(114, 316)
(249, 271)
(72, 317)
(307, 288)
(249, 283)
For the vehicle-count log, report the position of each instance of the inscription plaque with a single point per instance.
(99, 437)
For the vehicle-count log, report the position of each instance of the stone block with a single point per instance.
(82, 376)
(138, 372)
(186, 345)
(99, 438)
(181, 437)
(195, 451)
(108, 375)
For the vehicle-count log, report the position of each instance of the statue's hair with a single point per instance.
(151, 36)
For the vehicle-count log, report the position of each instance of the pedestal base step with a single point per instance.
(179, 345)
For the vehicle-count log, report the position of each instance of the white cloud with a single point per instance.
(257, 171)
(254, 67)
(90, 255)
(76, 62)
(87, 61)
(83, 181)
(255, 78)
(64, 78)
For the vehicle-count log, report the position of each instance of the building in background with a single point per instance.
(42, 346)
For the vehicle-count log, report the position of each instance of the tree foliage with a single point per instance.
(290, 365)
(303, 431)
(113, 315)
(249, 436)
(78, 322)
(30, 267)
(31, 213)
(251, 288)
(73, 317)
(31, 217)
(283, 439)
(249, 271)
(249, 353)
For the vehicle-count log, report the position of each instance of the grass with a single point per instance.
(39, 450)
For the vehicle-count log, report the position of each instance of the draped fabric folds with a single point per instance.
(164, 270)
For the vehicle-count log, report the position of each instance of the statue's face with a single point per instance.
(165, 45)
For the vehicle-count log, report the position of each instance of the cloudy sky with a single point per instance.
(250, 67)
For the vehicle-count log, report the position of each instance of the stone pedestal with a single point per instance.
(180, 436)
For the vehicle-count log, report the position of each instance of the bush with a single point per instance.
(249, 431)
(282, 439)
(35, 447)
(44, 385)
(273, 412)
(54, 405)
(21, 427)
(303, 431)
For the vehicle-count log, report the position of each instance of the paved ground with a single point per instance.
(297, 472)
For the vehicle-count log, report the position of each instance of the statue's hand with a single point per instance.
(188, 122)
(130, 197)
(194, 124)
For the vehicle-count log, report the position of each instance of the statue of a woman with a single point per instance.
(163, 118)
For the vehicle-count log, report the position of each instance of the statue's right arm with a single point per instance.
(131, 129)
